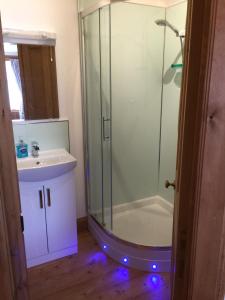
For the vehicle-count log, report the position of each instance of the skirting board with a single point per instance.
(82, 224)
(51, 256)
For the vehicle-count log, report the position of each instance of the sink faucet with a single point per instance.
(34, 149)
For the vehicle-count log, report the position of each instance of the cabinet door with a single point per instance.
(33, 210)
(61, 212)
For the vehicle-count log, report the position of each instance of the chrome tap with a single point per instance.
(35, 149)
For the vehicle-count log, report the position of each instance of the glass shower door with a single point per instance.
(105, 57)
(98, 115)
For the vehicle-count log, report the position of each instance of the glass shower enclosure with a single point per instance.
(131, 89)
(96, 34)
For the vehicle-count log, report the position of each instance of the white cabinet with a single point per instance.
(60, 213)
(49, 211)
(33, 210)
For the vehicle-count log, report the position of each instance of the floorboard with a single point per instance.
(92, 275)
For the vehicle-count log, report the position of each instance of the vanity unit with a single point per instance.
(47, 193)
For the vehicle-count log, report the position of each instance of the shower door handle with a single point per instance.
(106, 137)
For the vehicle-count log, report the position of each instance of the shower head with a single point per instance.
(165, 23)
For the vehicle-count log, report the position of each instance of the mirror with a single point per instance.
(32, 82)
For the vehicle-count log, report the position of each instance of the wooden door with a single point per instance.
(39, 82)
(12, 254)
(33, 210)
(198, 262)
(61, 212)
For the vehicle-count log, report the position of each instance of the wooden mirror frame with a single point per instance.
(38, 81)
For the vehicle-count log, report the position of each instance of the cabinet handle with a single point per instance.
(41, 199)
(49, 197)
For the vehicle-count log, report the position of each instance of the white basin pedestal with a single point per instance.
(48, 202)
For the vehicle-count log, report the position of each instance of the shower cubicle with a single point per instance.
(132, 69)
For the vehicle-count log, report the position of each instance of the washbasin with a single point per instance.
(48, 165)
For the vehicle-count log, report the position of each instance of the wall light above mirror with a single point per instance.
(31, 74)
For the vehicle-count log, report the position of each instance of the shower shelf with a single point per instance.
(177, 66)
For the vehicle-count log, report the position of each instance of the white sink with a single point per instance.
(48, 165)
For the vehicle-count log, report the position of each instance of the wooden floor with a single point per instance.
(92, 275)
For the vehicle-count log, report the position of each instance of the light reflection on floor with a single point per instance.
(154, 282)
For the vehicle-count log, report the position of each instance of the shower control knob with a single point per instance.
(168, 184)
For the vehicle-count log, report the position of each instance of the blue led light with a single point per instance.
(125, 260)
(154, 267)
(121, 274)
(154, 279)
(98, 256)
(105, 247)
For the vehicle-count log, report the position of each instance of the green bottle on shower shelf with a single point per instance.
(177, 66)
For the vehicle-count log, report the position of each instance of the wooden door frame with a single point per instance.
(12, 253)
(199, 223)
(198, 260)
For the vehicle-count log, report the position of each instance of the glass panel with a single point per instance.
(145, 106)
(137, 61)
(137, 64)
(106, 112)
(94, 114)
(49, 134)
(97, 59)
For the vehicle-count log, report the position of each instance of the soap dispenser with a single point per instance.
(21, 149)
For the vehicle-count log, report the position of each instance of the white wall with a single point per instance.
(60, 17)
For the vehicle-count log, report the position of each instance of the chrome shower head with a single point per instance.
(161, 22)
(165, 23)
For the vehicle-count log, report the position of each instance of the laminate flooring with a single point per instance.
(94, 276)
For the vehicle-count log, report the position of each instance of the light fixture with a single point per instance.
(16, 36)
